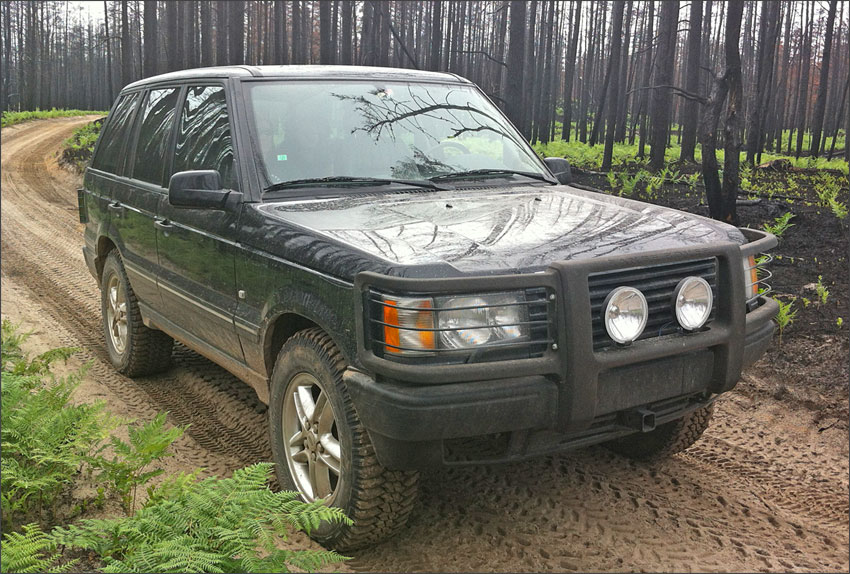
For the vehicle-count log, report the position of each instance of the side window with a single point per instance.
(203, 138)
(154, 132)
(114, 135)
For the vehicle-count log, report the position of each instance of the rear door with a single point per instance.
(197, 247)
(105, 174)
(135, 201)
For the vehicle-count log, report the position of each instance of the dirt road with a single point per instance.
(765, 490)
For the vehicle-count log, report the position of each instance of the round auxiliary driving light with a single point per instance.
(692, 300)
(625, 315)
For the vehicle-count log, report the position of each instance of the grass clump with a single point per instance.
(10, 118)
(79, 147)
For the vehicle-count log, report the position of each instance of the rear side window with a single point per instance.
(203, 138)
(114, 135)
(157, 121)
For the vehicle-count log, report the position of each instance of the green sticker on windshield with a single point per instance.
(281, 157)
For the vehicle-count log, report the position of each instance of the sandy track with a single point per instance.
(763, 491)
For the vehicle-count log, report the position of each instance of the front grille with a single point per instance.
(657, 283)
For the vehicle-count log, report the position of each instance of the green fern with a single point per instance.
(149, 442)
(31, 551)
(212, 525)
(45, 440)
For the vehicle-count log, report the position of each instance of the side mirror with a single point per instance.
(560, 168)
(201, 189)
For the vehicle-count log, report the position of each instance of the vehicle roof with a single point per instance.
(302, 72)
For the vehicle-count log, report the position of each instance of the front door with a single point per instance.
(197, 247)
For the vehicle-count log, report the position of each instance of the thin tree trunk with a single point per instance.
(221, 33)
(614, 89)
(570, 72)
(820, 103)
(691, 113)
(126, 48)
(347, 48)
(109, 86)
(803, 89)
(662, 97)
(324, 32)
(206, 35)
(173, 32)
(236, 32)
(516, 62)
(647, 81)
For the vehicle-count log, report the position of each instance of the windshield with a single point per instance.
(413, 131)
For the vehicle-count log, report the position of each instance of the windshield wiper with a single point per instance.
(343, 180)
(492, 172)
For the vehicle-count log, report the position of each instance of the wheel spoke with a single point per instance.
(331, 454)
(302, 457)
(321, 410)
(312, 475)
(304, 404)
(321, 479)
(113, 299)
(298, 438)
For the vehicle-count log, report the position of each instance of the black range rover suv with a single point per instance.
(384, 259)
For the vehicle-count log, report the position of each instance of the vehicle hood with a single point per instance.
(488, 231)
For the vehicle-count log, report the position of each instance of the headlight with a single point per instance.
(467, 322)
(625, 315)
(417, 326)
(751, 278)
(408, 325)
(692, 300)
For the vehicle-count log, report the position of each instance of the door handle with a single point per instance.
(163, 225)
(116, 209)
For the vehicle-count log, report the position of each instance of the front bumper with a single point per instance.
(573, 395)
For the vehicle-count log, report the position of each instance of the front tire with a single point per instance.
(134, 350)
(321, 450)
(667, 439)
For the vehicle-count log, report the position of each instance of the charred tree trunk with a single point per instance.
(662, 94)
(803, 89)
(820, 103)
(436, 36)
(346, 53)
(206, 35)
(721, 198)
(324, 32)
(647, 81)
(126, 48)
(236, 32)
(570, 72)
(768, 32)
(516, 62)
(689, 125)
(614, 88)
(151, 32)
(622, 92)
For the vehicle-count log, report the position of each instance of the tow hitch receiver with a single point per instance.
(639, 419)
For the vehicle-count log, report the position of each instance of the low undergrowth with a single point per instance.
(77, 150)
(186, 524)
(10, 118)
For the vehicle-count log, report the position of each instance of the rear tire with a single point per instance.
(134, 350)
(307, 392)
(667, 439)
